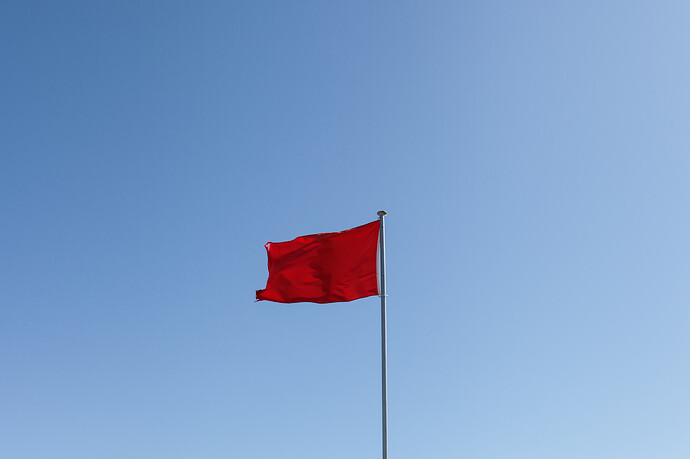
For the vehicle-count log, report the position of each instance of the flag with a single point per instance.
(323, 268)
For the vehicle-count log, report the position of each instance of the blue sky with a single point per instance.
(534, 163)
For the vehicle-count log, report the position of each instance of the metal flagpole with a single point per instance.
(382, 294)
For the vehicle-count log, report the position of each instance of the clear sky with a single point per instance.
(534, 161)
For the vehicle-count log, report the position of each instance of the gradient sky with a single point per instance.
(534, 161)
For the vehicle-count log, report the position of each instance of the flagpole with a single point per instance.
(382, 294)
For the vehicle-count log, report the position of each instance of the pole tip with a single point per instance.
(381, 213)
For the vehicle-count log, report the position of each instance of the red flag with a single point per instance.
(323, 268)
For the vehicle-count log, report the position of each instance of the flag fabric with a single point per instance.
(323, 268)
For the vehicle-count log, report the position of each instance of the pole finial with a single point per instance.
(381, 213)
